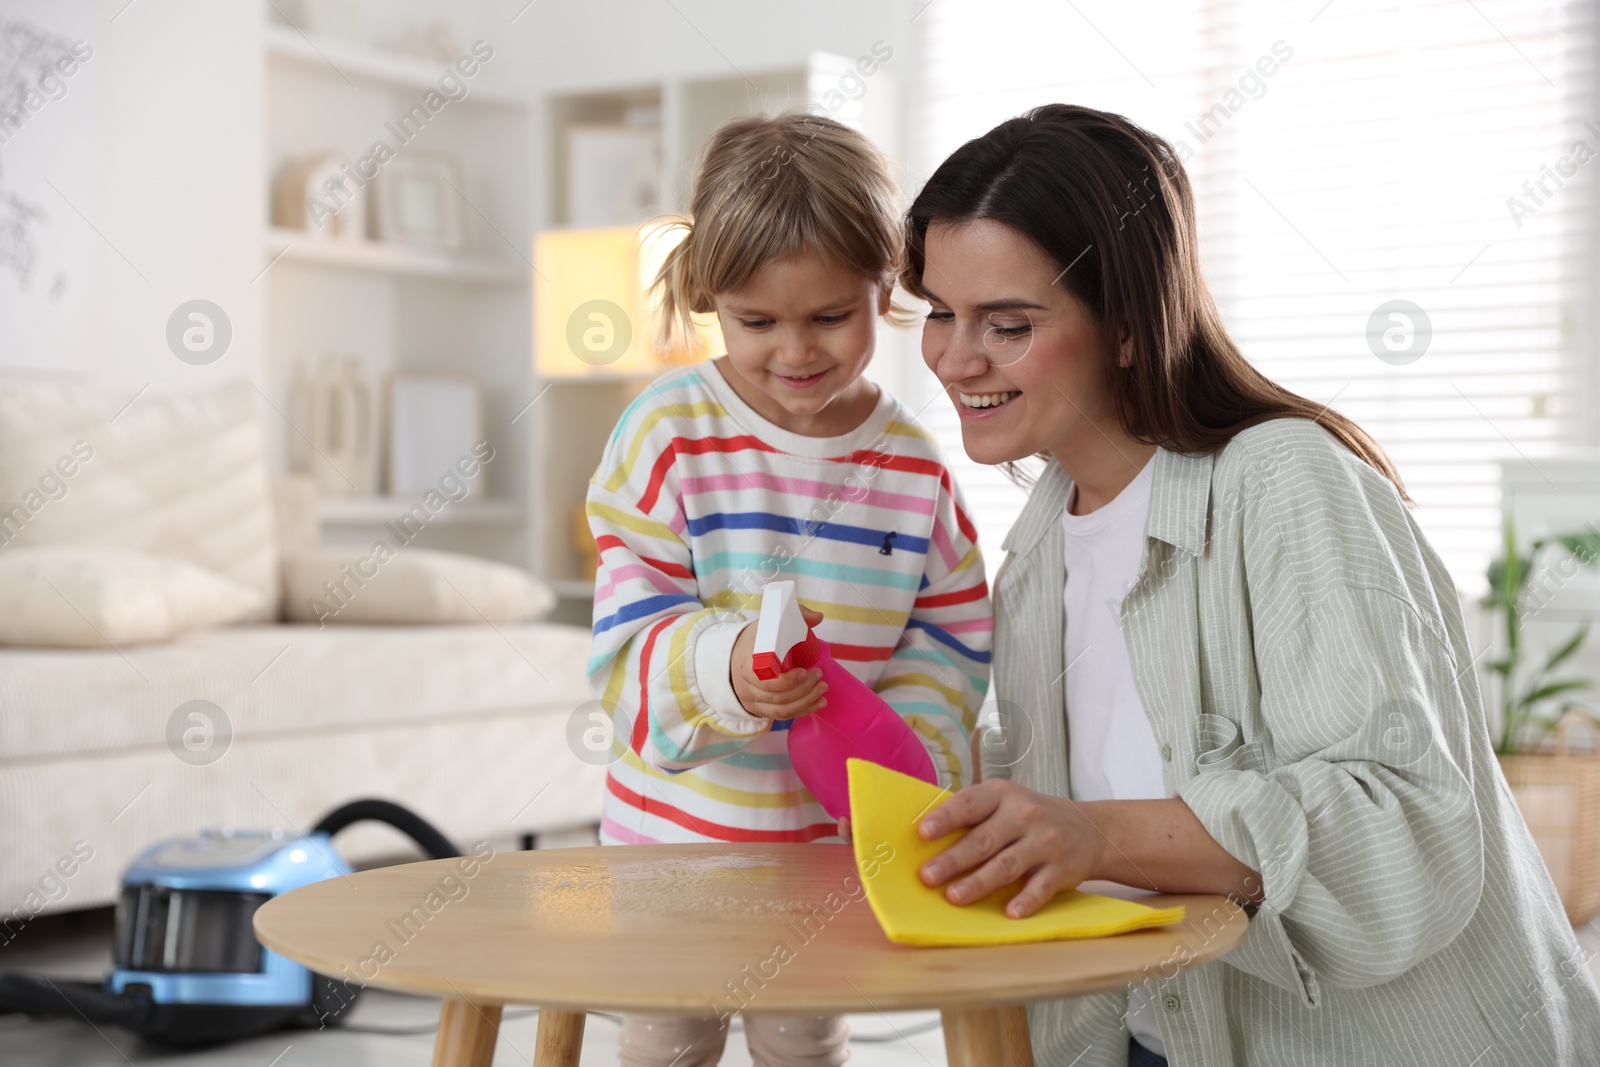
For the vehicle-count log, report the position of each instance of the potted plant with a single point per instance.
(1557, 790)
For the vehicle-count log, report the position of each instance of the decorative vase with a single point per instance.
(333, 408)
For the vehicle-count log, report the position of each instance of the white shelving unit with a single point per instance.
(362, 64)
(578, 415)
(377, 510)
(403, 309)
(375, 256)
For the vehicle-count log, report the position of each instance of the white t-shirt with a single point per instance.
(1113, 754)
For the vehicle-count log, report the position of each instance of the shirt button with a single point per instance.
(1171, 1003)
(1166, 753)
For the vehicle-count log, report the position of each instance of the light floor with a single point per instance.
(79, 947)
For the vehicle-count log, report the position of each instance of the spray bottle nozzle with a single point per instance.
(783, 640)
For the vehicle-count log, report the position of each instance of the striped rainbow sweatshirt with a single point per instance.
(697, 503)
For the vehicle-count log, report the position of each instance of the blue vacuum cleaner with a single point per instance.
(188, 968)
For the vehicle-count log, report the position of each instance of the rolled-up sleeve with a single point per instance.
(1359, 813)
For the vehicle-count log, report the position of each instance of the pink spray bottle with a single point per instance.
(856, 721)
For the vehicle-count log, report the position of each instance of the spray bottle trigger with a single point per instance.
(779, 629)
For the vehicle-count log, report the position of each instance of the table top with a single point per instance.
(701, 928)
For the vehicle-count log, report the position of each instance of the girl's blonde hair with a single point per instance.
(768, 187)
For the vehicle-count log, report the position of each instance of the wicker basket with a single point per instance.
(1559, 796)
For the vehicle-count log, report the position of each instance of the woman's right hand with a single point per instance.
(788, 696)
(1014, 834)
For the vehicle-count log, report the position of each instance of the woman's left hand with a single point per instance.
(1014, 833)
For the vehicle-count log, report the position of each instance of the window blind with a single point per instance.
(1344, 155)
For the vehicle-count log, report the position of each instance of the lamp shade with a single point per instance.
(593, 315)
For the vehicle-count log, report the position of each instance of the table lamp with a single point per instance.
(593, 314)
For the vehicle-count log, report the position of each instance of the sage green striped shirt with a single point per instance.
(1300, 651)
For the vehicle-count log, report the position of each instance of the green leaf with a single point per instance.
(1497, 575)
(1585, 546)
(1560, 655)
(1548, 691)
(1511, 575)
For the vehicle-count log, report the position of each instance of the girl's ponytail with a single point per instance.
(675, 289)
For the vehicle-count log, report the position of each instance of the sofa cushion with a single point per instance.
(100, 597)
(181, 475)
(294, 511)
(408, 585)
(268, 680)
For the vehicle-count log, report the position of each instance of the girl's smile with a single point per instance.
(801, 381)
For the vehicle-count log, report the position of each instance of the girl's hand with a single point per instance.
(1015, 833)
(788, 696)
(844, 828)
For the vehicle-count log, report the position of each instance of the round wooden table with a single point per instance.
(698, 929)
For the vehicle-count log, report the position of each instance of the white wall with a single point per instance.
(566, 45)
(171, 181)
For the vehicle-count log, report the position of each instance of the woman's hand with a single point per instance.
(788, 696)
(1015, 833)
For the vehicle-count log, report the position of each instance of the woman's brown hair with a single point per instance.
(1110, 203)
(768, 187)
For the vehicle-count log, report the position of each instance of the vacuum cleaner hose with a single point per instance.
(32, 994)
(414, 826)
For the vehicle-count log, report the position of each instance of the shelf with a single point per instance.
(294, 247)
(357, 63)
(376, 510)
(572, 588)
(602, 377)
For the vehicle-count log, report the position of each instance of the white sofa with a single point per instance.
(465, 724)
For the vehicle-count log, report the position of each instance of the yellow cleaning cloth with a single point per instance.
(885, 807)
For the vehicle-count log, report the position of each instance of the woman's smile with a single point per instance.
(973, 405)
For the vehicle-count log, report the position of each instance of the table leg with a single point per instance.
(560, 1038)
(466, 1034)
(987, 1037)
(973, 1037)
(1015, 1034)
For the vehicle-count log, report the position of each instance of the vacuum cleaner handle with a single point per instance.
(414, 826)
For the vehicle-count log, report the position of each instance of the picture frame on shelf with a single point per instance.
(416, 201)
(613, 173)
(435, 422)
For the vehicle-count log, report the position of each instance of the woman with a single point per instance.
(1244, 669)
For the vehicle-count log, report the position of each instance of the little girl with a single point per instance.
(776, 460)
